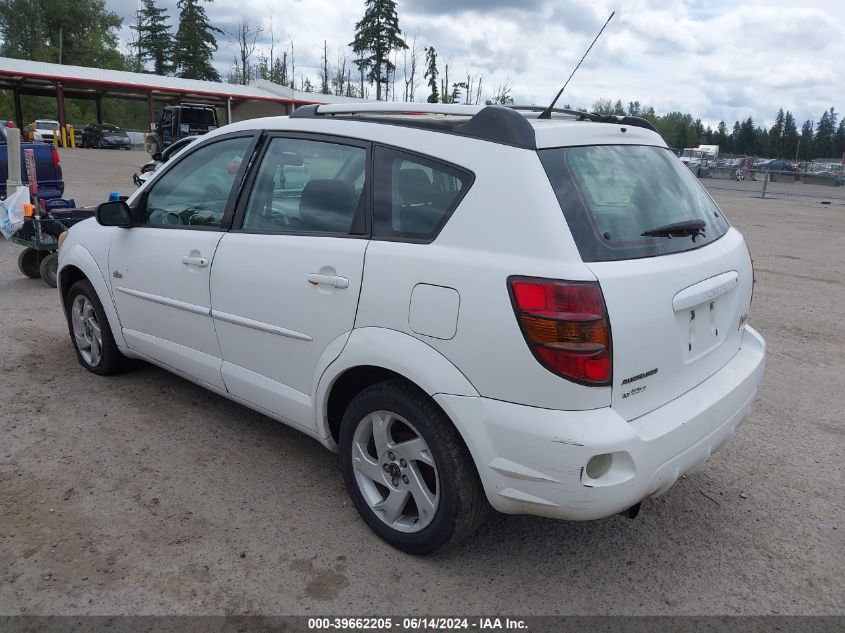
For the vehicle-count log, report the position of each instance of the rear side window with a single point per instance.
(197, 116)
(413, 195)
(612, 194)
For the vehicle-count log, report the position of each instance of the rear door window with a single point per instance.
(414, 195)
(613, 196)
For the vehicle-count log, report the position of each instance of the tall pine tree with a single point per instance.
(154, 40)
(376, 36)
(431, 74)
(195, 42)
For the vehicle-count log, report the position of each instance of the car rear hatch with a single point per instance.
(196, 121)
(676, 278)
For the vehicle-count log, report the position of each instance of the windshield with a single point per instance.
(612, 194)
(107, 127)
(46, 125)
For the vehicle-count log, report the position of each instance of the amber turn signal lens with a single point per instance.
(566, 326)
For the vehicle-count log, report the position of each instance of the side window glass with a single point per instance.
(413, 195)
(308, 186)
(195, 191)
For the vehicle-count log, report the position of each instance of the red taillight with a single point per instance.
(55, 157)
(566, 326)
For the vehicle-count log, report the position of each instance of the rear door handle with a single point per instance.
(335, 281)
(188, 260)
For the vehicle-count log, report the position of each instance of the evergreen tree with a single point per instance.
(806, 150)
(745, 140)
(154, 39)
(789, 142)
(776, 134)
(618, 108)
(195, 42)
(721, 137)
(431, 74)
(825, 140)
(376, 36)
(840, 139)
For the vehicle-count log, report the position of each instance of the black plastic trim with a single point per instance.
(595, 117)
(497, 124)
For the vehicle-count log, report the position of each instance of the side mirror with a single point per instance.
(157, 157)
(116, 213)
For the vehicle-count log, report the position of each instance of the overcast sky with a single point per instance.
(720, 60)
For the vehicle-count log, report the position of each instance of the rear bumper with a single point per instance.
(534, 461)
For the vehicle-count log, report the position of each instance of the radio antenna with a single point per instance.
(547, 113)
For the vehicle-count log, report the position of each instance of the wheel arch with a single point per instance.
(78, 264)
(372, 355)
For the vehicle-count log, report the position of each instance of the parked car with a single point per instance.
(45, 128)
(160, 158)
(48, 169)
(551, 317)
(104, 135)
(776, 167)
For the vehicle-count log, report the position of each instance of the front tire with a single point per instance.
(407, 469)
(90, 332)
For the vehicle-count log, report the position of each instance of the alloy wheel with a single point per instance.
(395, 471)
(86, 330)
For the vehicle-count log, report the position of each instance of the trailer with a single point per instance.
(39, 236)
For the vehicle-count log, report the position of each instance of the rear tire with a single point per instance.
(90, 332)
(49, 269)
(438, 469)
(29, 263)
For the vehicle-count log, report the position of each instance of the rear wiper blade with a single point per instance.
(688, 228)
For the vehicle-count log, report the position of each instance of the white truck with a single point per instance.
(698, 159)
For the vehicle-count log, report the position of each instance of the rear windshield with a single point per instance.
(612, 194)
(197, 116)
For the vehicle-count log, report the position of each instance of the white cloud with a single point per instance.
(717, 60)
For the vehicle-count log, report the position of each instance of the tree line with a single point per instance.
(823, 138)
(380, 62)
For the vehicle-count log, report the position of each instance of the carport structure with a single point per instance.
(261, 98)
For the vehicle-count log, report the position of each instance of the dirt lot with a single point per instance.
(146, 494)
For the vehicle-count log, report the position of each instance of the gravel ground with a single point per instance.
(144, 494)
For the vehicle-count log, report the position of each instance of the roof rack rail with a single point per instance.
(493, 123)
(633, 121)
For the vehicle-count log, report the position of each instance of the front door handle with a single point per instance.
(188, 260)
(335, 281)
